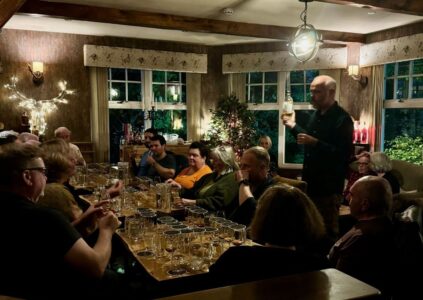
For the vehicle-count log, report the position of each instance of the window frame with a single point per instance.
(399, 102)
(126, 104)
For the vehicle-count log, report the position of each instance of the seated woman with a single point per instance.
(287, 222)
(60, 164)
(266, 143)
(215, 191)
(197, 156)
(359, 168)
(381, 164)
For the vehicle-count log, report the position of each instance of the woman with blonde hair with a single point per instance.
(215, 191)
(288, 224)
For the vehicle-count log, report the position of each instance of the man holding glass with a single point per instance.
(43, 256)
(327, 140)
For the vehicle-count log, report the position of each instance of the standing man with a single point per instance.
(64, 133)
(160, 163)
(141, 169)
(328, 146)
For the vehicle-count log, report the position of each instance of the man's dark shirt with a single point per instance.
(325, 164)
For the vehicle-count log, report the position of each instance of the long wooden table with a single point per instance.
(325, 284)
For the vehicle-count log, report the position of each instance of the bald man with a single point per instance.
(327, 140)
(64, 133)
(368, 250)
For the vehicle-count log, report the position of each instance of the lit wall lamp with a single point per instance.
(37, 71)
(353, 71)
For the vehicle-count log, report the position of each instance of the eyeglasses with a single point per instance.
(40, 169)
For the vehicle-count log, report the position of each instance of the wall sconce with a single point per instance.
(37, 71)
(353, 71)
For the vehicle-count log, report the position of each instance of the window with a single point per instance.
(262, 91)
(169, 87)
(403, 101)
(262, 87)
(128, 100)
(125, 87)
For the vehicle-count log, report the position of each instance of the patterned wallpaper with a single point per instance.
(328, 58)
(116, 57)
(403, 48)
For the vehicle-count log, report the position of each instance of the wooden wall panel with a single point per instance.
(62, 55)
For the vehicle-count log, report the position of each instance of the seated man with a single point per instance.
(43, 256)
(141, 169)
(253, 179)
(368, 250)
(64, 133)
(160, 163)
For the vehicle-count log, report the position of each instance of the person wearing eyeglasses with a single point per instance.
(42, 255)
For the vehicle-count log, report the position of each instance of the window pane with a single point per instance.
(134, 92)
(134, 75)
(158, 76)
(389, 89)
(267, 122)
(403, 68)
(417, 87)
(256, 77)
(118, 92)
(171, 121)
(297, 93)
(310, 74)
(159, 92)
(294, 153)
(270, 93)
(308, 93)
(118, 74)
(271, 77)
(173, 94)
(407, 121)
(402, 89)
(172, 77)
(390, 70)
(183, 77)
(256, 94)
(418, 66)
(297, 77)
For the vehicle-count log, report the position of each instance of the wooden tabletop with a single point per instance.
(325, 284)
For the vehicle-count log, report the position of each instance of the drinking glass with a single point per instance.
(172, 244)
(239, 234)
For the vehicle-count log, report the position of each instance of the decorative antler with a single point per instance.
(38, 109)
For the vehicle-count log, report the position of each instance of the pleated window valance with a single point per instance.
(399, 49)
(115, 57)
(328, 58)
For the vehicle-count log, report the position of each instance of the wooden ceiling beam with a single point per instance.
(173, 22)
(409, 7)
(8, 8)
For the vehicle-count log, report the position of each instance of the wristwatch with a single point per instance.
(244, 182)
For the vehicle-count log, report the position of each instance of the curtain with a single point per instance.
(376, 107)
(99, 114)
(194, 115)
(237, 83)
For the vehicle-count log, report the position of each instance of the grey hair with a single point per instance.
(227, 156)
(380, 162)
(261, 154)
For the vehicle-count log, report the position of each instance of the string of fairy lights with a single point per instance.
(38, 109)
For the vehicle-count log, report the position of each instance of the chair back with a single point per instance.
(302, 185)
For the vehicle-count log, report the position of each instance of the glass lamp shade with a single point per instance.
(306, 43)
